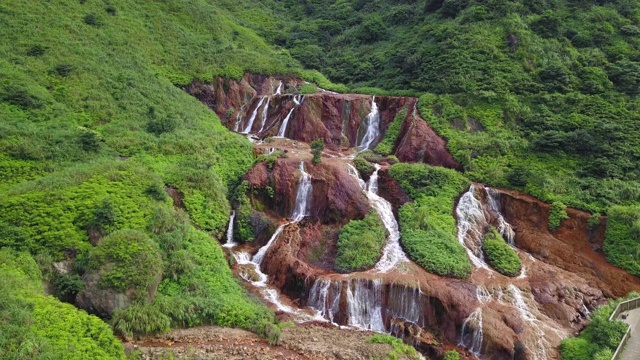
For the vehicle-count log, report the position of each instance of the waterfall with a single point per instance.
(471, 337)
(504, 228)
(285, 122)
(259, 256)
(252, 119)
(279, 89)
(230, 243)
(392, 252)
(265, 114)
(239, 119)
(324, 297)
(471, 222)
(354, 172)
(364, 304)
(482, 294)
(404, 303)
(372, 122)
(302, 197)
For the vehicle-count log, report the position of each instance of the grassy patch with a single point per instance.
(427, 225)
(385, 147)
(622, 240)
(500, 255)
(360, 243)
(399, 348)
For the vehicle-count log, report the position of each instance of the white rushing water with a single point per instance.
(504, 228)
(303, 195)
(372, 123)
(364, 304)
(324, 297)
(279, 89)
(471, 222)
(230, 243)
(252, 119)
(471, 337)
(283, 127)
(265, 114)
(541, 345)
(482, 294)
(392, 253)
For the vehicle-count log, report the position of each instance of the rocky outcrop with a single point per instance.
(572, 247)
(336, 197)
(261, 104)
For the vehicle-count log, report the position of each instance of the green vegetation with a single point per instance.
(399, 348)
(363, 166)
(36, 326)
(427, 224)
(126, 259)
(385, 147)
(452, 355)
(360, 243)
(600, 338)
(308, 89)
(622, 239)
(317, 146)
(541, 96)
(557, 213)
(500, 255)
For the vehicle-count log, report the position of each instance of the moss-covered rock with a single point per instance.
(500, 255)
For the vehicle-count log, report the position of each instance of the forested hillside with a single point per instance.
(93, 126)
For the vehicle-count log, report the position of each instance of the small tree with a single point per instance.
(317, 146)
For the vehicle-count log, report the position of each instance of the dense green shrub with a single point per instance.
(360, 243)
(37, 326)
(317, 146)
(600, 338)
(385, 147)
(308, 89)
(452, 355)
(399, 348)
(557, 213)
(500, 255)
(622, 239)
(363, 166)
(427, 225)
(126, 259)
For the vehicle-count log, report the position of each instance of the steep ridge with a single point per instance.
(491, 315)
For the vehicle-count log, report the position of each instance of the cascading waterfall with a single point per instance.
(372, 122)
(541, 345)
(252, 119)
(302, 197)
(404, 303)
(504, 228)
(364, 304)
(392, 253)
(230, 243)
(285, 122)
(265, 114)
(279, 89)
(354, 172)
(471, 337)
(482, 294)
(471, 222)
(324, 297)
(239, 119)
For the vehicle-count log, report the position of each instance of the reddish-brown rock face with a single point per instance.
(572, 247)
(337, 119)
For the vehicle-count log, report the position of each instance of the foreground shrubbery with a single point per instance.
(399, 348)
(500, 255)
(360, 243)
(427, 224)
(600, 338)
(35, 326)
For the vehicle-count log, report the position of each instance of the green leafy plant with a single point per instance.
(360, 243)
(557, 213)
(317, 146)
(500, 255)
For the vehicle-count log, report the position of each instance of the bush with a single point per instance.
(427, 225)
(360, 243)
(364, 167)
(622, 239)
(92, 19)
(162, 125)
(317, 146)
(126, 259)
(500, 255)
(307, 89)
(399, 348)
(557, 213)
(452, 355)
